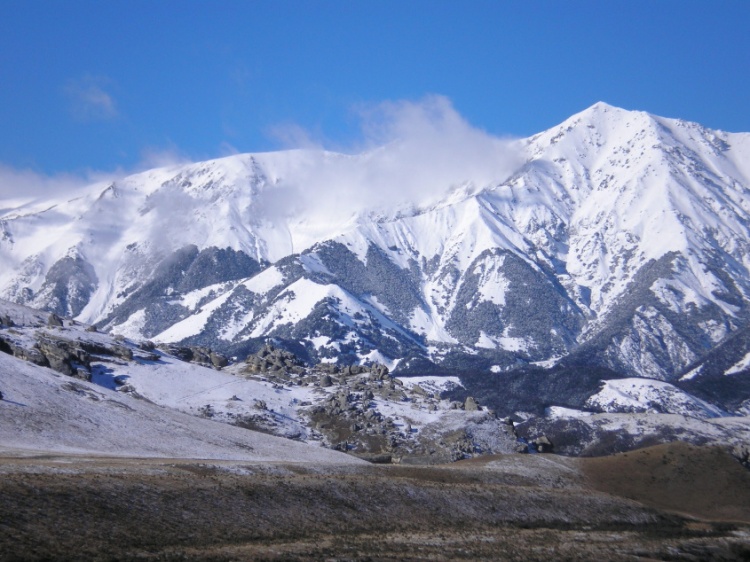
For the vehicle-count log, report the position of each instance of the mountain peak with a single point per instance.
(602, 112)
(602, 106)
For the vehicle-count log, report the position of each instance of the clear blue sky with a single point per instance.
(102, 84)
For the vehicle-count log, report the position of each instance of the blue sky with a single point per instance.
(122, 84)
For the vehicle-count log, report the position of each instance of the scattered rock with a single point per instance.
(201, 355)
(218, 360)
(330, 368)
(416, 389)
(182, 353)
(54, 320)
(375, 458)
(471, 405)
(742, 453)
(543, 444)
(272, 359)
(379, 370)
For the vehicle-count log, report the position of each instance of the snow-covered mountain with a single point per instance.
(620, 240)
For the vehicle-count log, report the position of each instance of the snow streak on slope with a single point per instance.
(644, 395)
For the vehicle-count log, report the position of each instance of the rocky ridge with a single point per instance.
(352, 406)
(357, 409)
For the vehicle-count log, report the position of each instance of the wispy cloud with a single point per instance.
(292, 135)
(155, 157)
(26, 184)
(89, 99)
(22, 185)
(410, 152)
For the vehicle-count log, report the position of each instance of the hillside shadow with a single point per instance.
(103, 376)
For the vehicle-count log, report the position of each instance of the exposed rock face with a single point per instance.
(61, 350)
(543, 444)
(274, 360)
(67, 287)
(201, 355)
(742, 454)
(66, 357)
(30, 353)
(54, 320)
(348, 418)
(471, 405)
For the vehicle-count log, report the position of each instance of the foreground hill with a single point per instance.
(517, 507)
(46, 412)
(68, 387)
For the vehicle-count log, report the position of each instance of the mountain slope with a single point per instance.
(621, 241)
(44, 411)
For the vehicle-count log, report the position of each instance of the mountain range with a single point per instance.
(617, 247)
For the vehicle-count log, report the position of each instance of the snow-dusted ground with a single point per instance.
(725, 431)
(191, 388)
(647, 395)
(45, 411)
(281, 405)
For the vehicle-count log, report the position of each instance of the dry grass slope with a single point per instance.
(511, 508)
(703, 482)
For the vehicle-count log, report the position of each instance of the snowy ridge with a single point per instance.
(643, 395)
(622, 239)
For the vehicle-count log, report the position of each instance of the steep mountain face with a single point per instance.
(621, 242)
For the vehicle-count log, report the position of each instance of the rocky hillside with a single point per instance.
(96, 383)
(360, 410)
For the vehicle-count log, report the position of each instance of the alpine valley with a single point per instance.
(597, 294)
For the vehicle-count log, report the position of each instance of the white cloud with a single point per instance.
(410, 153)
(89, 101)
(19, 186)
(28, 184)
(153, 157)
